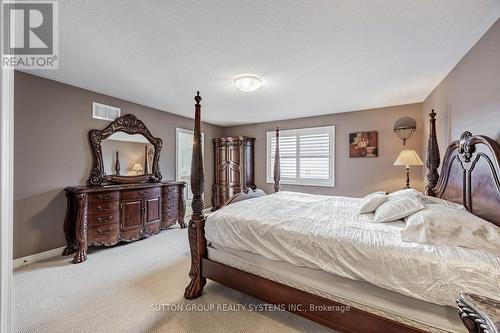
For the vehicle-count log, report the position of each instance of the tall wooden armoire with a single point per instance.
(234, 168)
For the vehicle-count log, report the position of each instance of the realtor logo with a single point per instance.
(30, 34)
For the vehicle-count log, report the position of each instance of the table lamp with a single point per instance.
(408, 157)
(137, 167)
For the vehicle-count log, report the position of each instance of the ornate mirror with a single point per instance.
(124, 152)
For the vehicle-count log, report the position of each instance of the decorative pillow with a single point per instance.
(427, 200)
(397, 208)
(451, 226)
(406, 192)
(371, 202)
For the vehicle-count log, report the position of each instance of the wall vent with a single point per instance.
(105, 112)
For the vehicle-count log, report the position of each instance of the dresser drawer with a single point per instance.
(170, 204)
(170, 214)
(104, 208)
(142, 193)
(96, 198)
(171, 189)
(106, 233)
(97, 220)
(171, 197)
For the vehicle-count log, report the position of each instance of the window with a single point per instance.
(306, 156)
(184, 152)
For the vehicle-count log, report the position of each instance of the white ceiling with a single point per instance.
(315, 56)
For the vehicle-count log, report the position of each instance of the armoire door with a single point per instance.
(221, 164)
(234, 165)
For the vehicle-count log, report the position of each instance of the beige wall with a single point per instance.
(468, 99)
(353, 176)
(51, 152)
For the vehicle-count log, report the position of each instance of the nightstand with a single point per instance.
(479, 314)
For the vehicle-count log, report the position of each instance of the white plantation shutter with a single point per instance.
(288, 157)
(306, 156)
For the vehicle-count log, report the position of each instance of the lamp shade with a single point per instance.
(408, 157)
(137, 167)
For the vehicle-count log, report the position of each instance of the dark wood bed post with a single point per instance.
(196, 232)
(433, 160)
(277, 167)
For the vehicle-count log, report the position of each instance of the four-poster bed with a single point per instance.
(470, 176)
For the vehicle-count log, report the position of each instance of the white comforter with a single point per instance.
(326, 233)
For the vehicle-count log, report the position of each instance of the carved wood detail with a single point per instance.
(433, 159)
(130, 125)
(69, 229)
(182, 208)
(479, 314)
(117, 164)
(81, 228)
(196, 228)
(470, 175)
(277, 164)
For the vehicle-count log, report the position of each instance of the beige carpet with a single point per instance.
(119, 289)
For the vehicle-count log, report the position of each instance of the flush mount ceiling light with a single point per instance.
(248, 82)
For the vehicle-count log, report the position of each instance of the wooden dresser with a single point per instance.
(234, 168)
(106, 215)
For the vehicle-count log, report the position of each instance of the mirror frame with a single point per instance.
(131, 125)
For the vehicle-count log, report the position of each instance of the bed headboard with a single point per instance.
(470, 174)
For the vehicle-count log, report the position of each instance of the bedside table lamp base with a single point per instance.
(407, 177)
(408, 157)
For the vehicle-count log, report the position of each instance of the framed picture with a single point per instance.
(363, 144)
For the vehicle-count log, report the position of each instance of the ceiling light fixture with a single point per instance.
(404, 128)
(248, 82)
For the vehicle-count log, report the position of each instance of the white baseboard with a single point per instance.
(37, 257)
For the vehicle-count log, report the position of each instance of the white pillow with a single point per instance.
(451, 226)
(396, 208)
(371, 202)
(428, 200)
(425, 199)
(405, 192)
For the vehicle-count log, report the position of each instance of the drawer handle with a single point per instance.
(142, 192)
(103, 232)
(100, 208)
(104, 219)
(104, 197)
